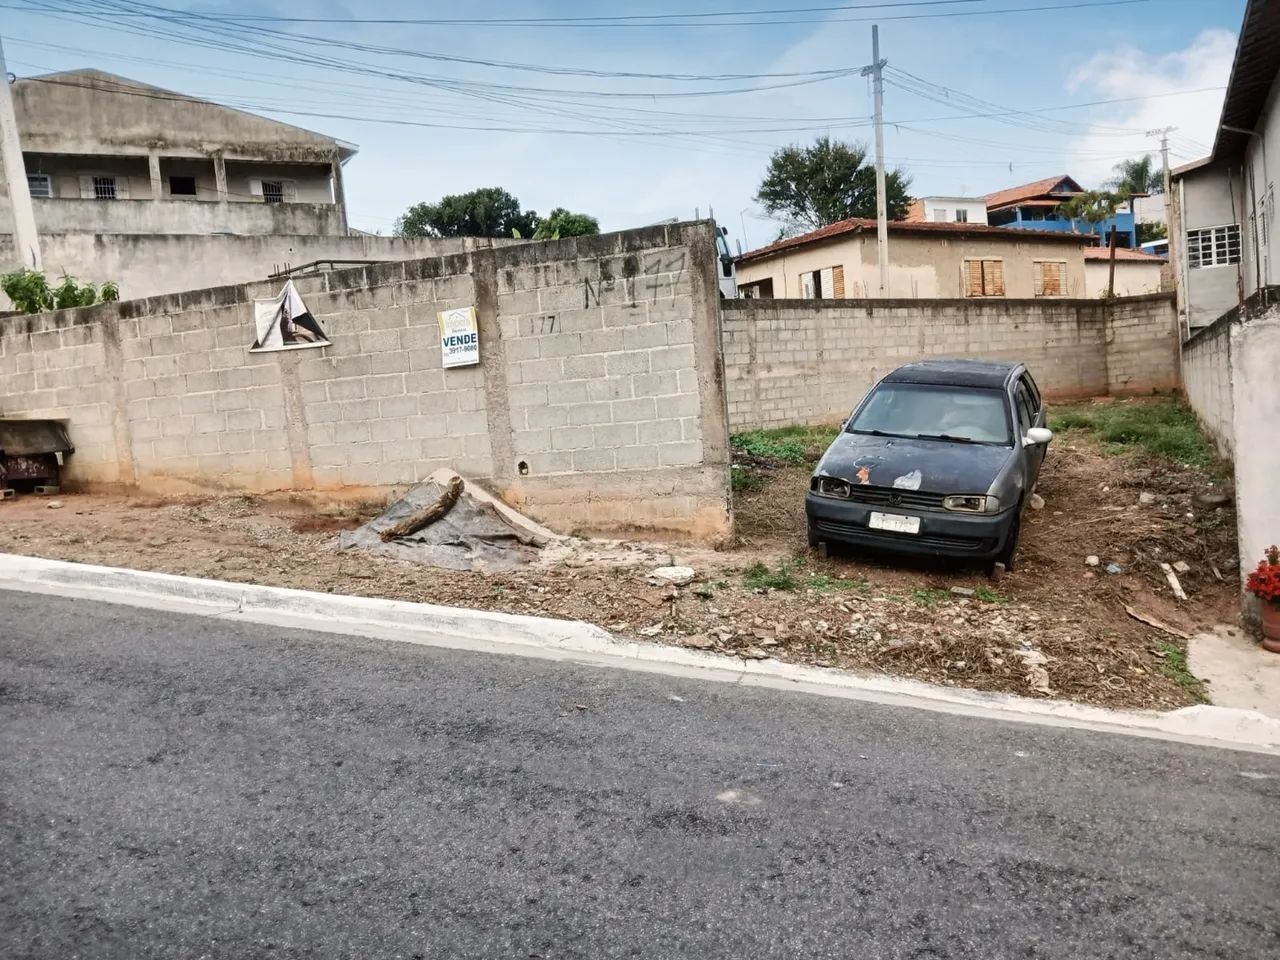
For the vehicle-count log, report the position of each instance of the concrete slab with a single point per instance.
(1239, 672)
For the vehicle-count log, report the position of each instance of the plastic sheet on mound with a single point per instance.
(475, 534)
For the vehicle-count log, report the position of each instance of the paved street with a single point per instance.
(173, 786)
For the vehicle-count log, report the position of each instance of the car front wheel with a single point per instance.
(1005, 557)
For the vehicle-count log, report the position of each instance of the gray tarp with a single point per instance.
(471, 536)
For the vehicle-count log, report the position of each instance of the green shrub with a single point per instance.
(1164, 426)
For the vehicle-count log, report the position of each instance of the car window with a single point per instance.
(1026, 407)
(1037, 400)
(913, 410)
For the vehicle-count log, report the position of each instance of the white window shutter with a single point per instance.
(86, 187)
(827, 280)
(255, 186)
(122, 188)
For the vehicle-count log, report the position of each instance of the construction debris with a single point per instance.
(1153, 622)
(1174, 585)
(676, 576)
(428, 515)
(449, 522)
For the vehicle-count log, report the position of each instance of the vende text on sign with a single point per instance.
(459, 337)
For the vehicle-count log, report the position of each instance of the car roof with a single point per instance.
(957, 373)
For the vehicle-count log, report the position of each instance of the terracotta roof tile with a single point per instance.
(1122, 253)
(857, 225)
(1027, 191)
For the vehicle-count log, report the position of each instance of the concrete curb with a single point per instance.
(482, 631)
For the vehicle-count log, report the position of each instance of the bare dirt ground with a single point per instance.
(1055, 627)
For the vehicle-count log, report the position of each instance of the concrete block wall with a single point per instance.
(811, 361)
(1206, 378)
(52, 370)
(598, 403)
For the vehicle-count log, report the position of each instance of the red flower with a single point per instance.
(1264, 582)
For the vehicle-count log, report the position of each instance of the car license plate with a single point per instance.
(894, 522)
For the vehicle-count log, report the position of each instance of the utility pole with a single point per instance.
(1172, 221)
(26, 242)
(876, 72)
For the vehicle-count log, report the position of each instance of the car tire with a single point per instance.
(1010, 549)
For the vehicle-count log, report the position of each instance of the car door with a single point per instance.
(1030, 413)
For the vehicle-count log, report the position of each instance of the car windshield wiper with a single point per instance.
(879, 433)
(948, 437)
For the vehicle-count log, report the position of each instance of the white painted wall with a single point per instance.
(1133, 277)
(1255, 366)
(1206, 381)
(1210, 198)
(943, 209)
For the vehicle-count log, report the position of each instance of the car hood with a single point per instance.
(935, 466)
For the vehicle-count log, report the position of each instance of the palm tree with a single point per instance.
(1137, 176)
(1092, 206)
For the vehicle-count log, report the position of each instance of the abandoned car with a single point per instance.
(939, 460)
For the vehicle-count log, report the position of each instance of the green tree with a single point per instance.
(487, 212)
(561, 223)
(1137, 176)
(1092, 206)
(810, 187)
(1152, 231)
(30, 292)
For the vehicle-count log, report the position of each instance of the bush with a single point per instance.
(1165, 427)
(30, 292)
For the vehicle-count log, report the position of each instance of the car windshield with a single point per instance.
(934, 412)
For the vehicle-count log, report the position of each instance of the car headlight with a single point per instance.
(972, 503)
(832, 487)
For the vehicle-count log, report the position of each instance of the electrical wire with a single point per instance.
(671, 21)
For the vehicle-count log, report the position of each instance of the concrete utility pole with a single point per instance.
(1172, 217)
(875, 71)
(26, 242)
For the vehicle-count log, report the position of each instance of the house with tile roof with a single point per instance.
(1136, 272)
(926, 260)
(1036, 206)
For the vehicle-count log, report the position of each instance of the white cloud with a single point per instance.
(1128, 71)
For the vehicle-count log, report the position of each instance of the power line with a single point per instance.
(581, 23)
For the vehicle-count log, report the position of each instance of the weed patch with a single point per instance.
(1163, 426)
(1173, 664)
(987, 595)
(792, 446)
(927, 596)
(761, 576)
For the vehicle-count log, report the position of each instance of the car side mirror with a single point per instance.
(1037, 436)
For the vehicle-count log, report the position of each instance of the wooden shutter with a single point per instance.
(1049, 278)
(973, 278)
(837, 282)
(993, 278)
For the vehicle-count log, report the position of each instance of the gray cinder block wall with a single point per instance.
(598, 403)
(810, 361)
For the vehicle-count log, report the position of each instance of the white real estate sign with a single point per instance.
(459, 337)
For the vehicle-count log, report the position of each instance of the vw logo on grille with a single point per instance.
(895, 498)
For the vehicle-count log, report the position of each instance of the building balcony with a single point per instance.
(174, 216)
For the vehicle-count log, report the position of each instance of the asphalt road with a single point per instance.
(173, 786)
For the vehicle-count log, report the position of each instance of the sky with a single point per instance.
(635, 121)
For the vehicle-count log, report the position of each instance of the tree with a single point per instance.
(1137, 176)
(561, 223)
(810, 187)
(1152, 231)
(30, 292)
(1092, 206)
(487, 212)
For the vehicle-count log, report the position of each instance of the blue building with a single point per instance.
(1034, 206)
